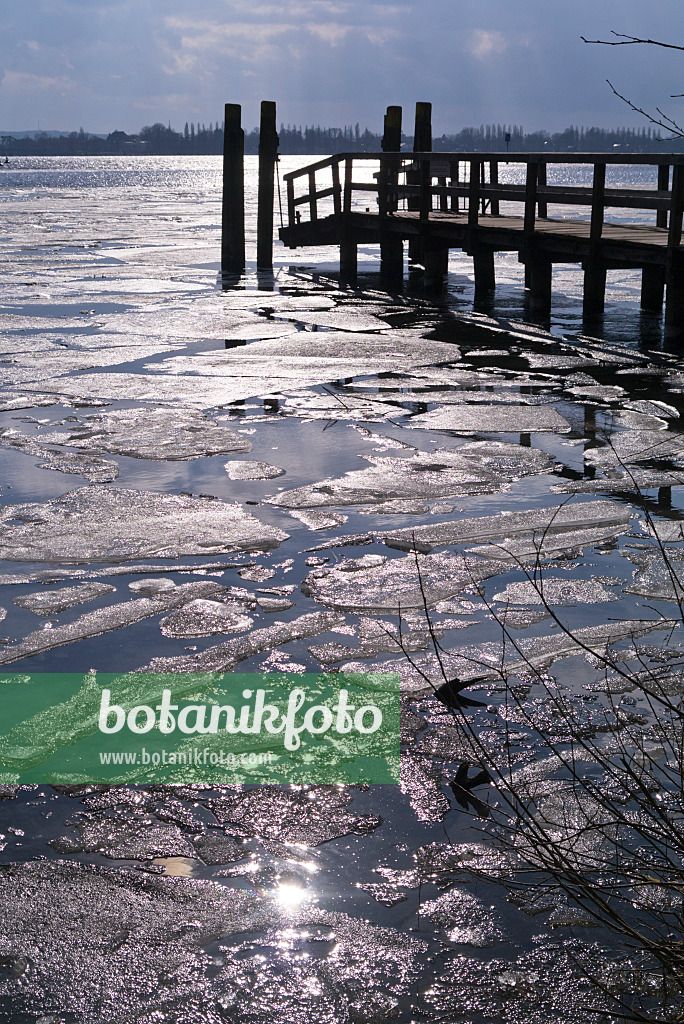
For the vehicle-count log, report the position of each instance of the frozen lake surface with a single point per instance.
(284, 477)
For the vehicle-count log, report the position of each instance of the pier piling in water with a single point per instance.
(391, 246)
(595, 266)
(233, 204)
(268, 155)
(422, 143)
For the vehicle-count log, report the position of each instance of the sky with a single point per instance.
(121, 64)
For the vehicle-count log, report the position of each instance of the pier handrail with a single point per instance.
(481, 195)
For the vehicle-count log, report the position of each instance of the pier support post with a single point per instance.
(233, 204)
(652, 288)
(538, 272)
(594, 301)
(348, 259)
(392, 259)
(595, 268)
(268, 154)
(674, 302)
(391, 245)
(483, 265)
(436, 262)
(422, 143)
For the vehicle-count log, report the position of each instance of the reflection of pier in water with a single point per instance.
(439, 201)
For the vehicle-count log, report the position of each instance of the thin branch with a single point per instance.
(622, 39)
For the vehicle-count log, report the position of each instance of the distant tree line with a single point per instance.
(198, 139)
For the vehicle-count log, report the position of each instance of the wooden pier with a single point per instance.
(485, 203)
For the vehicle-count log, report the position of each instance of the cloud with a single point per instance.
(332, 33)
(484, 44)
(21, 81)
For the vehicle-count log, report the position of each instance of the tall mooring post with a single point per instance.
(422, 143)
(268, 155)
(233, 206)
(348, 239)
(391, 245)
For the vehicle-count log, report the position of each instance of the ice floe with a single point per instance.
(55, 601)
(117, 525)
(471, 469)
(151, 434)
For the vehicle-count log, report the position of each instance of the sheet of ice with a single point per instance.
(343, 407)
(121, 840)
(471, 469)
(254, 299)
(306, 358)
(543, 524)
(437, 861)
(465, 918)
(203, 617)
(493, 419)
(311, 816)
(121, 283)
(341, 319)
(377, 637)
(315, 520)
(540, 652)
(561, 592)
(152, 587)
(215, 848)
(652, 407)
(554, 545)
(421, 780)
(274, 604)
(164, 434)
(54, 601)
(57, 575)
(247, 470)
(226, 656)
(665, 530)
(598, 392)
(631, 446)
(138, 951)
(120, 525)
(659, 582)
(398, 506)
(9, 400)
(95, 469)
(401, 584)
(105, 620)
(621, 480)
(632, 420)
(518, 618)
(201, 392)
(45, 365)
(192, 323)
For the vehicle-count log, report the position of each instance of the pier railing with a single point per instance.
(429, 184)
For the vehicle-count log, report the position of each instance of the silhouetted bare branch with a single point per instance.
(622, 39)
(660, 119)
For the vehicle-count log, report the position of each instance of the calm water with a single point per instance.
(111, 279)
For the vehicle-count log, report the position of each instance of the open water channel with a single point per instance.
(198, 479)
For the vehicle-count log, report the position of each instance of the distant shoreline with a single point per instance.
(160, 140)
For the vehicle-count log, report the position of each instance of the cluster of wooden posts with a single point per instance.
(233, 205)
(436, 201)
